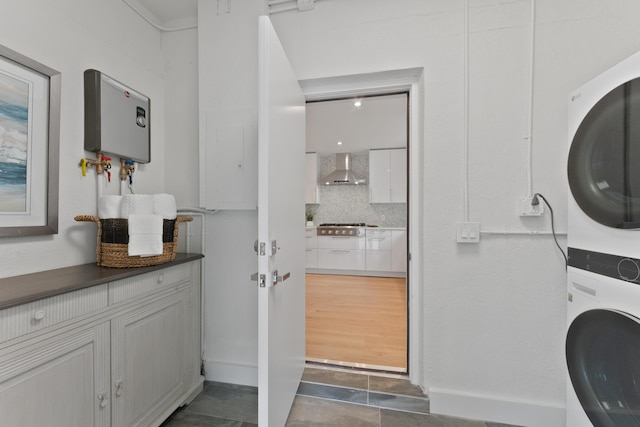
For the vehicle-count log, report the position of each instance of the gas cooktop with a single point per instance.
(355, 229)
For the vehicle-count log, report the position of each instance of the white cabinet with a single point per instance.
(311, 194)
(341, 253)
(399, 250)
(311, 248)
(388, 176)
(378, 250)
(125, 353)
(147, 359)
(61, 380)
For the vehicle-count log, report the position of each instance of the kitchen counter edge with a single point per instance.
(26, 288)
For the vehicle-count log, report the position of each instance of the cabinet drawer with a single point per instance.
(311, 259)
(379, 240)
(311, 239)
(146, 283)
(341, 259)
(340, 242)
(26, 318)
(378, 260)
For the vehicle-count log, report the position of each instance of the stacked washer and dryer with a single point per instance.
(603, 309)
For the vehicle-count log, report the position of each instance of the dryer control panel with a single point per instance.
(616, 266)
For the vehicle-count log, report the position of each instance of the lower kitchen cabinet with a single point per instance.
(341, 253)
(131, 360)
(311, 248)
(399, 251)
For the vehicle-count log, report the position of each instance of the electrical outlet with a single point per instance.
(527, 209)
(468, 232)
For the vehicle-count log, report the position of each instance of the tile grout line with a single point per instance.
(368, 391)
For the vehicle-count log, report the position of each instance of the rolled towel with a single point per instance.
(145, 235)
(109, 207)
(136, 204)
(165, 206)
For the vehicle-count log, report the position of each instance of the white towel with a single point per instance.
(136, 204)
(145, 235)
(165, 206)
(109, 207)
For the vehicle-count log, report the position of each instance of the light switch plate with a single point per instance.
(468, 232)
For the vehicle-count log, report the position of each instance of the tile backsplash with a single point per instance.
(350, 203)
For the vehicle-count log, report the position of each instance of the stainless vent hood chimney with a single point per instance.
(343, 174)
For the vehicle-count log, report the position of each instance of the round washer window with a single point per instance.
(604, 159)
(603, 359)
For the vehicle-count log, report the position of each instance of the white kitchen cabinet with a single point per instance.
(388, 176)
(311, 248)
(311, 194)
(399, 250)
(122, 353)
(341, 253)
(378, 253)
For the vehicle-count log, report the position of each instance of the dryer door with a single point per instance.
(604, 159)
(603, 359)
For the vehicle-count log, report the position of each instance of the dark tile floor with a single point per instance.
(325, 398)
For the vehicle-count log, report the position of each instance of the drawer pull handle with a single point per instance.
(39, 315)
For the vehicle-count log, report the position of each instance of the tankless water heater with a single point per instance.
(116, 118)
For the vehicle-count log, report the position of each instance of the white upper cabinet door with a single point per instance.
(388, 176)
(311, 180)
(281, 294)
(398, 175)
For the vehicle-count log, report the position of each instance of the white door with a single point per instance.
(281, 162)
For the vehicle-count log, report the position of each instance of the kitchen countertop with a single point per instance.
(30, 287)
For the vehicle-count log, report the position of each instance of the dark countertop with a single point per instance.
(30, 287)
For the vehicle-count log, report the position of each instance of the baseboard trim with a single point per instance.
(490, 408)
(231, 372)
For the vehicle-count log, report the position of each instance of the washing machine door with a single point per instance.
(603, 359)
(604, 159)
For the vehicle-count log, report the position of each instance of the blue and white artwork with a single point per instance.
(14, 146)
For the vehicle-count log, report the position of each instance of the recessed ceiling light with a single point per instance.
(357, 103)
(339, 142)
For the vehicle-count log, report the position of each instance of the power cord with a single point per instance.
(535, 202)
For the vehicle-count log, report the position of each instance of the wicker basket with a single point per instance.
(112, 249)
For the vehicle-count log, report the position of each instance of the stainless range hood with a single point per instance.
(343, 174)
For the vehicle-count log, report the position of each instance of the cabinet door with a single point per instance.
(398, 175)
(341, 259)
(388, 176)
(311, 258)
(379, 178)
(57, 381)
(311, 180)
(399, 250)
(148, 355)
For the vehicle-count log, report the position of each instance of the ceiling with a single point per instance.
(380, 122)
(167, 14)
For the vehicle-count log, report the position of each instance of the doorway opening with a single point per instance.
(357, 299)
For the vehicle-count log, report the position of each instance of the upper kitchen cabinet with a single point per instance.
(311, 194)
(388, 176)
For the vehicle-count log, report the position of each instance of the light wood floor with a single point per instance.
(357, 319)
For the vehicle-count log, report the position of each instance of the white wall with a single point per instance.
(71, 36)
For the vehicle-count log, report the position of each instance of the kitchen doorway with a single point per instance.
(357, 213)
